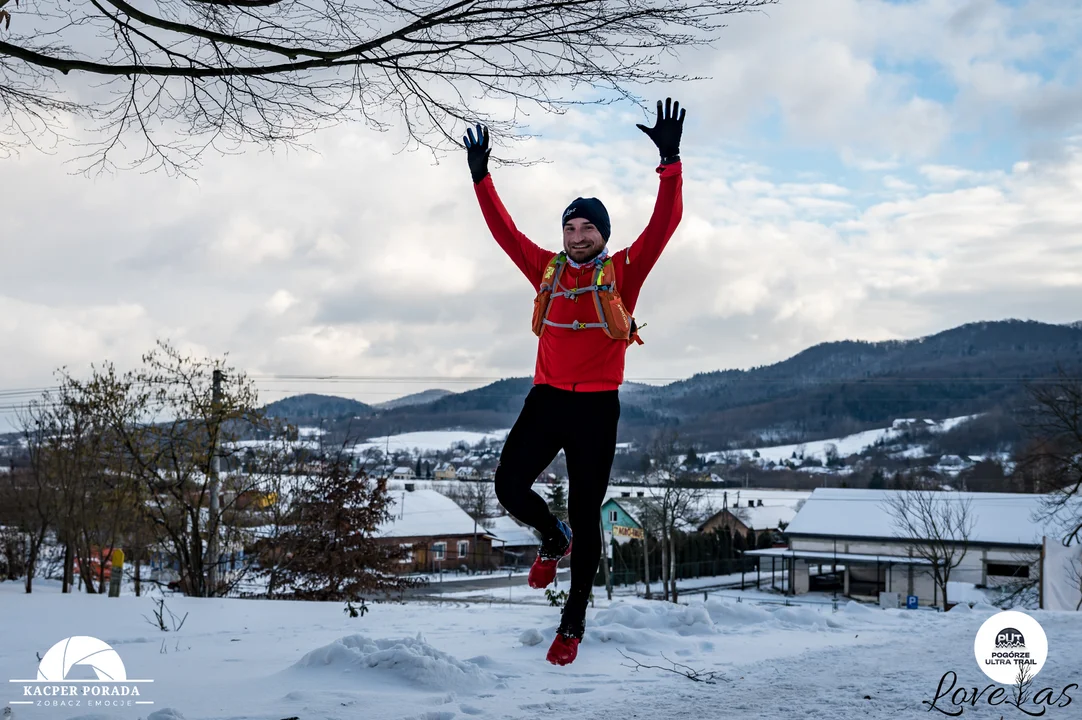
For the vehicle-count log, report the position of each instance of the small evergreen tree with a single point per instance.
(558, 501)
(332, 548)
(877, 480)
(692, 460)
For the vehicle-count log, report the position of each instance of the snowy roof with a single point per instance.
(845, 557)
(630, 505)
(1000, 518)
(507, 530)
(427, 513)
(765, 517)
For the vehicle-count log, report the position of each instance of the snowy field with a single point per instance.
(443, 661)
(430, 441)
(849, 445)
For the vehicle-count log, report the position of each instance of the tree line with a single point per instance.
(153, 461)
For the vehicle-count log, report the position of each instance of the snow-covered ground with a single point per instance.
(430, 441)
(849, 445)
(450, 660)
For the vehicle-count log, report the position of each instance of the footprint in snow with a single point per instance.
(570, 691)
(471, 710)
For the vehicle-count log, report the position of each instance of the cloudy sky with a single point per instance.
(853, 169)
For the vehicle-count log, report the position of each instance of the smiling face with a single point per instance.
(582, 240)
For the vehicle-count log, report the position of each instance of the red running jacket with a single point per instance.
(585, 360)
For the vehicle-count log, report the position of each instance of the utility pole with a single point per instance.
(212, 543)
(605, 560)
(476, 511)
(646, 558)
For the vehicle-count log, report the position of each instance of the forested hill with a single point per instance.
(828, 390)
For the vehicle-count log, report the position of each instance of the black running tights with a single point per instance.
(583, 424)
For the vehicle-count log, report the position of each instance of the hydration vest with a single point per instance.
(611, 315)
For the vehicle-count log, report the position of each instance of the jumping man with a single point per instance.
(583, 318)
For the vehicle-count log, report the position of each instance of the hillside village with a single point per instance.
(862, 459)
(741, 512)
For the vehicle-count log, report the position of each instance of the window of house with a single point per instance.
(613, 516)
(439, 550)
(1008, 570)
(463, 548)
(408, 557)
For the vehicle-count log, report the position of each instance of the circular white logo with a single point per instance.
(81, 650)
(1011, 647)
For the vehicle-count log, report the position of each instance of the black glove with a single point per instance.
(477, 151)
(667, 130)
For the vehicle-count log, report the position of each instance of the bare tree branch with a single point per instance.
(710, 677)
(936, 524)
(188, 75)
(1054, 457)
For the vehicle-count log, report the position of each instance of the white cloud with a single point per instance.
(897, 185)
(844, 73)
(949, 175)
(361, 261)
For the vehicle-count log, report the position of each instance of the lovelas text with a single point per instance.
(951, 701)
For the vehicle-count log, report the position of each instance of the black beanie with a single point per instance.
(589, 209)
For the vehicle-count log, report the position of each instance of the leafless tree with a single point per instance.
(478, 499)
(167, 429)
(1074, 574)
(184, 75)
(26, 510)
(671, 502)
(1053, 461)
(269, 518)
(936, 524)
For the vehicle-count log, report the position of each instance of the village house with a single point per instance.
(513, 544)
(437, 532)
(403, 473)
(467, 472)
(620, 517)
(752, 516)
(853, 531)
(444, 471)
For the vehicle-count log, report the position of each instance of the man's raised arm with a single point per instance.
(529, 258)
(669, 206)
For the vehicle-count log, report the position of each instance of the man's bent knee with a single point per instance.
(504, 482)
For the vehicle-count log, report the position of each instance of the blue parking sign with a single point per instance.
(911, 602)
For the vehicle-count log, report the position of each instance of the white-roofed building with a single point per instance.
(517, 542)
(855, 529)
(437, 531)
(758, 517)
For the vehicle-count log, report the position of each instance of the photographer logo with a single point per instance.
(81, 671)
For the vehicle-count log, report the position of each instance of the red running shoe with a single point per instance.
(563, 650)
(543, 570)
(565, 647)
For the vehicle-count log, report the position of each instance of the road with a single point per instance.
(485, 582)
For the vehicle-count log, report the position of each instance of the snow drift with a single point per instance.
(411, 659)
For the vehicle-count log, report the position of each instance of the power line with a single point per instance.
(390, 379)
